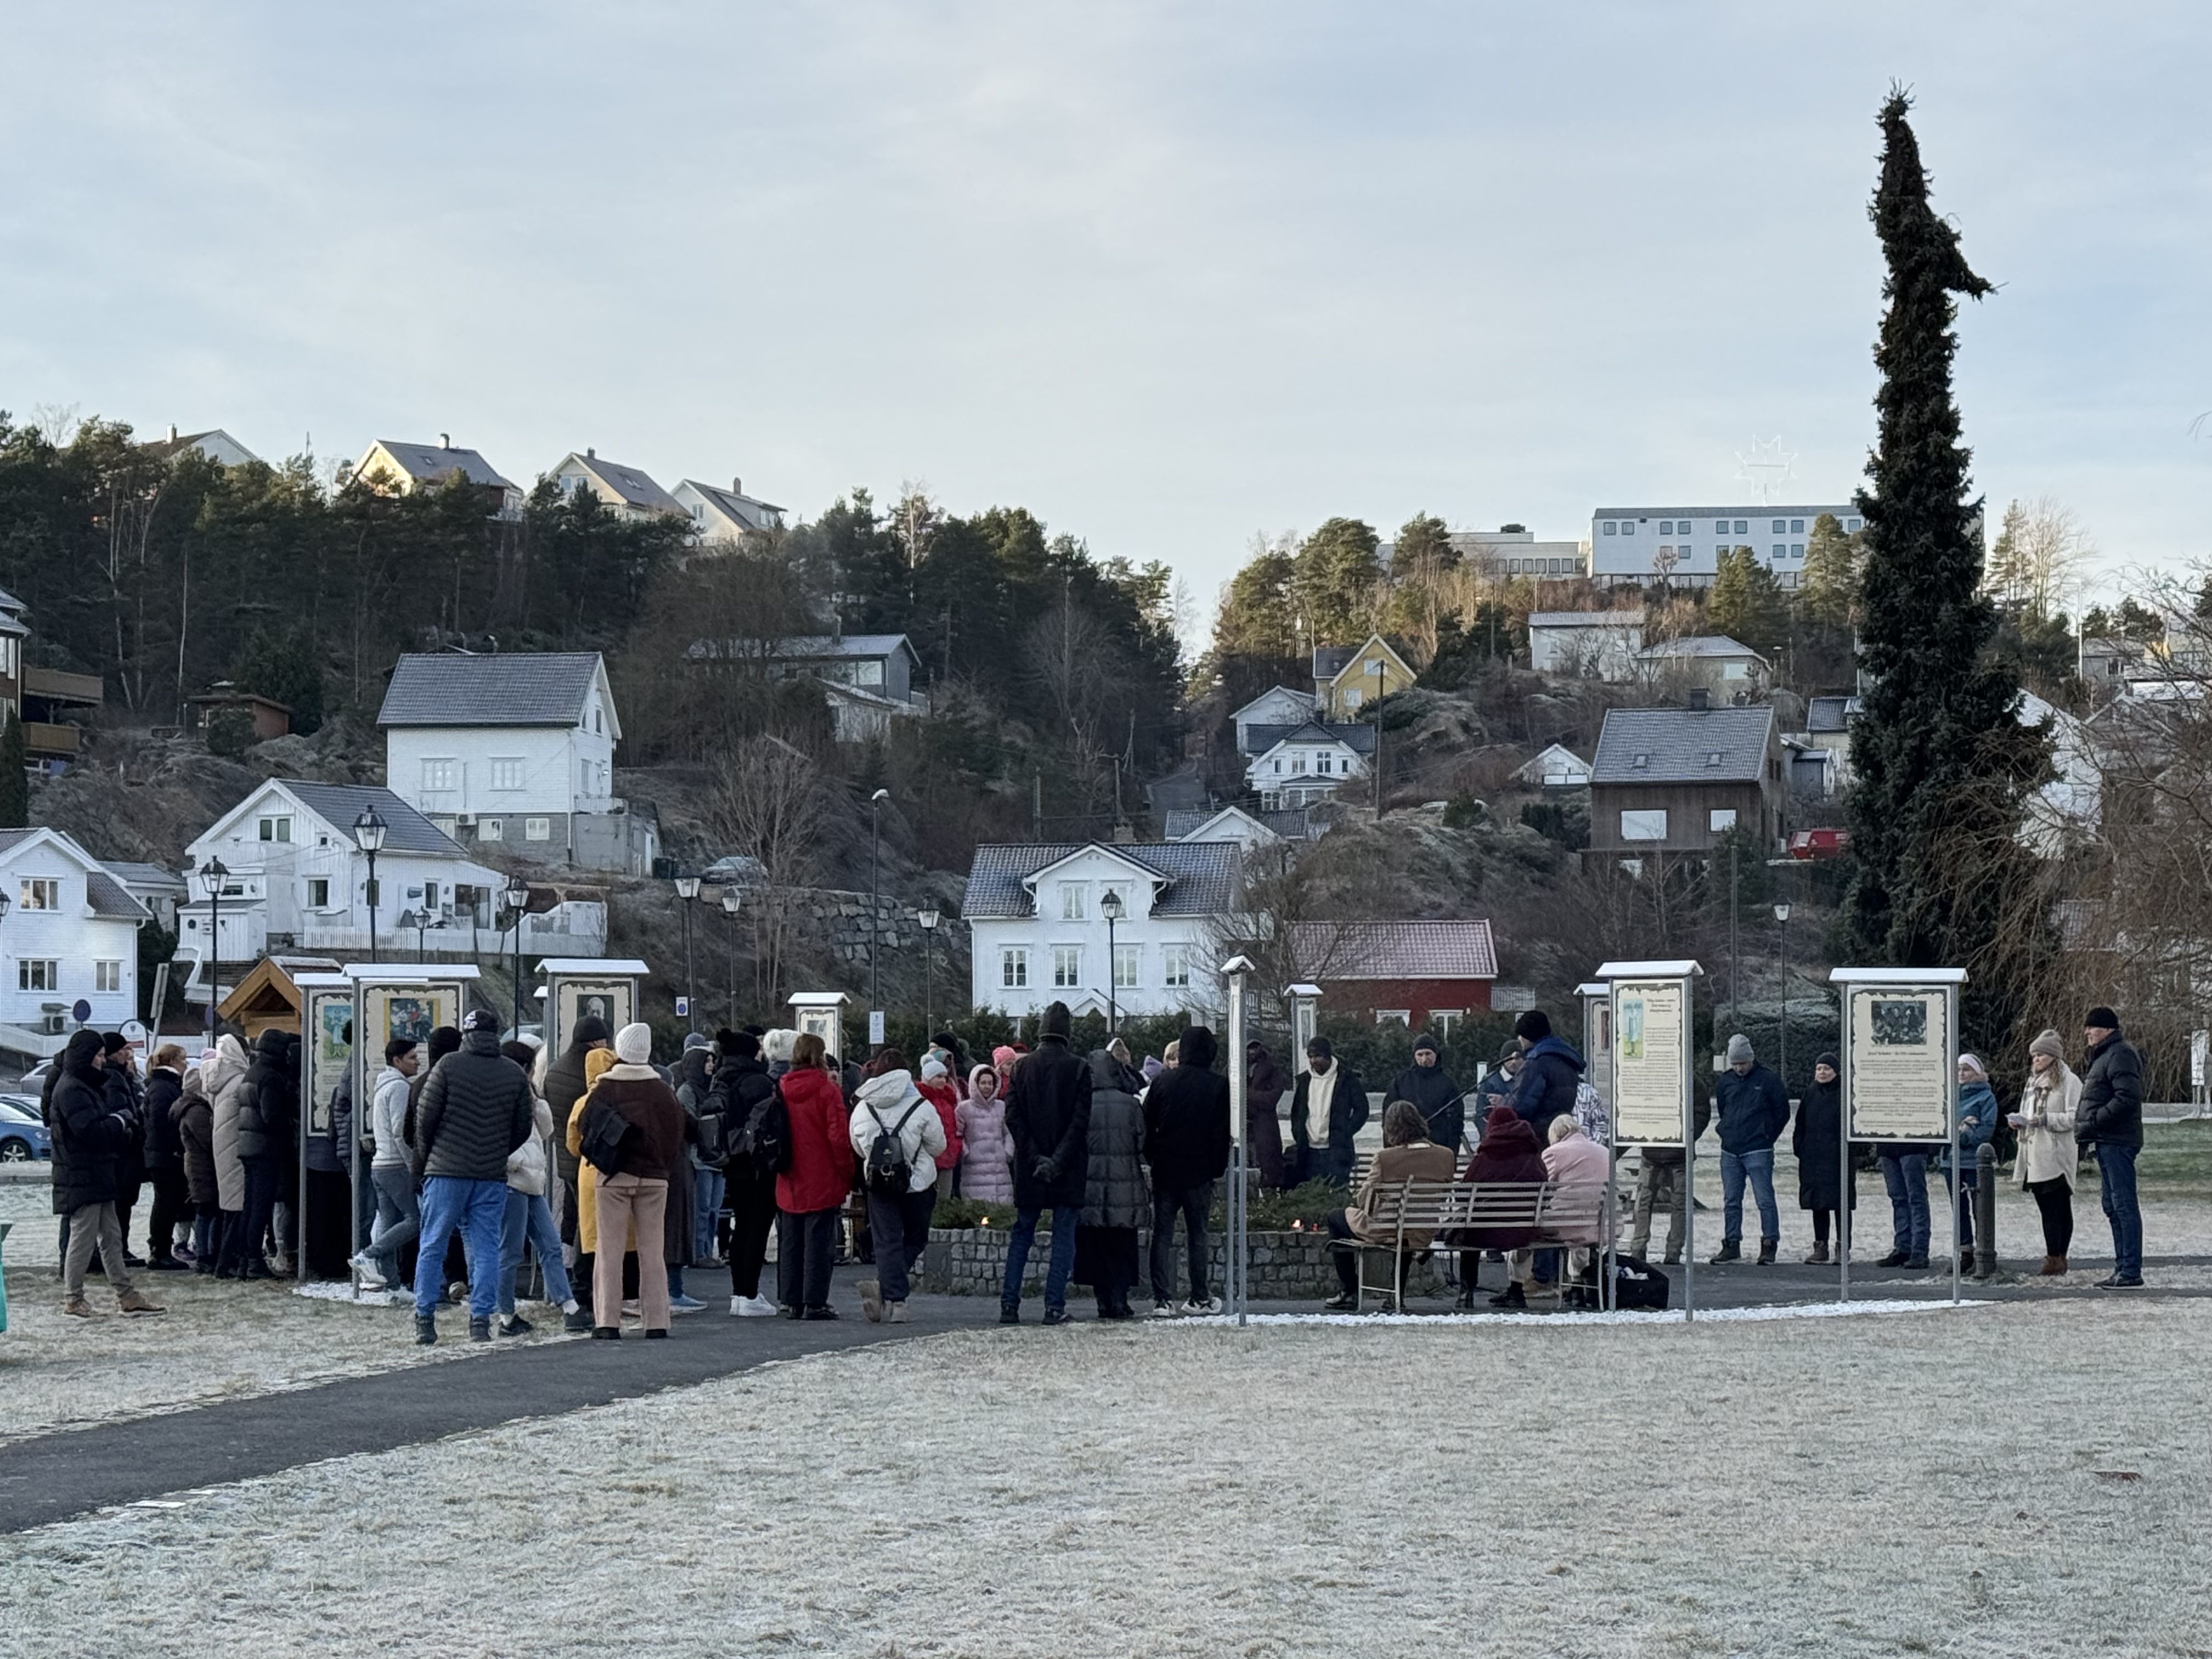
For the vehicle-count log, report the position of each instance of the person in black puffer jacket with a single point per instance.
(1187, 1142)
(1048, 1119)
(1115, 1203)
(2109, 1123)
(165, 1160)
(265, 1116)
(475, 1109)
(740, 1092)
(91, 1138)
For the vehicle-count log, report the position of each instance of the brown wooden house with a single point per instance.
(1677, 780)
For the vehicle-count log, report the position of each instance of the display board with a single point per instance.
(1650, 1043)
(1900, 1061)
(1597, 1036)
(821, 1013)
(602, 988)
(393, 999)
(326, 1045)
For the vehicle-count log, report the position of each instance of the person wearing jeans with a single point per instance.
(1754, 1110)
(1905, 1173)
(529, 1219)
(475, 1210)
(2108, 1122)
(1187, 1143)
(476, 1107)
(1060, 1267)
(1048, 1120)
(398, 1213)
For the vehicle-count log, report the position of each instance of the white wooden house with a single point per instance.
(628, 492)
(515, 753)
(725, 515)
(1301, 765)
(1554, 767)
(1277, 707)
(70, 935)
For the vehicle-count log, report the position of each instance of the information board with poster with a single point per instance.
(1654, 1087)
(1597, 1035)
(395, 1000)
(599, 988)
(1900, 1052)
(821, 1013)
(325, 1042)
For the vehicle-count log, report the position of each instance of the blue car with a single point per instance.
(23, 1134)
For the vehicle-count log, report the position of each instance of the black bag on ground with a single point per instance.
(1638, 1285)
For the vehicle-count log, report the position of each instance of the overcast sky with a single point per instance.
(1166, 275)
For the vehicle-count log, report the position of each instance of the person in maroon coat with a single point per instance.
(1509, 1152)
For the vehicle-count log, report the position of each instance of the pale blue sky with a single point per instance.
(1166, 275)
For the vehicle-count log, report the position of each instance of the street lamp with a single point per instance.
(875, 894)
(1110, 907)
(518, 904)
(927, 921)
(212, 876)
(1782, 961)
(687, 889)
(733, 901)
(368, 832)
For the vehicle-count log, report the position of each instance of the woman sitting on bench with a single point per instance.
(1509, 1152)
(1407, 1154)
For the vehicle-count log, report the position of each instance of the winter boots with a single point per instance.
(1819, 1258)
(2052, 1267)
(1729, 1251)
(1766, 1249)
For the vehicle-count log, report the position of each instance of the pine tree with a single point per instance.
(1828, 593)
(1943, 765)
(15, 781)
(1745, 602)
(1336, 577)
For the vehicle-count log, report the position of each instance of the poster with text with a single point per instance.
(1651, 1036)
(1901, 1063)
(610, 1001)
(329, 1047)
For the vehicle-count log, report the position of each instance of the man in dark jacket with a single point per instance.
(265, 1115)
(741, 1092)
(165, 1160)
(1551, 1074)
(1753, 1111)
(90, 1139)
(1328, 1108)
(118, 1075)
(1187, 1144)
(564, 1087)
(2109, 1123)
(475, 1109)
(1429, 1086)
(1048, 1120)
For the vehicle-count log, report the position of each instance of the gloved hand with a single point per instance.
(1047, 1170)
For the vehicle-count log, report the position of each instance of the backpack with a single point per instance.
(888, 1174)
(765, 1135)
(1589, 1113)
(706, 1118)
(605, 1130)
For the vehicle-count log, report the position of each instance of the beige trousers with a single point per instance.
(624, 1201)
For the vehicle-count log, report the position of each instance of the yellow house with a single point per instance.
(1347, 679)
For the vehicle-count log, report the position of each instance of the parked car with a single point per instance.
(736, 870)
(33, 1082)
(1819, 843)
(23, 1134)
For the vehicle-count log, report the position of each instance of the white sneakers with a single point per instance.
(1211, 1305)
(1163, 1311)
(751, 1307)
(366, 1274)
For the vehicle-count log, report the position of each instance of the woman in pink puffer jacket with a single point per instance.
(986, 1153)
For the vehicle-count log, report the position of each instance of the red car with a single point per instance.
(1819, 843)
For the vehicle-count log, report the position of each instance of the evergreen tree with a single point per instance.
(1828, 592)
(1335, 577)
(1745, 602)
(15, 780)
(1943, 766)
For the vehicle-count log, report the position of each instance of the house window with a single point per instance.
(537, 829)
(1322, 763)
(1299, 762)
(1074, 901)
(1850, 526)
(1721, 818)
(1444, 1018)
(430, 895)
(40, 893)
(1066, 966)
(319, 892)
(1735, 670)
(440, 774)
(1666, 528)
(1014, 969)
(1780, 551)
(1611, 529)
(1741, 528)
(1796, 526)
(1627, 527)
(871, 672)
(31, 975)
(1797, 549)
(106, 976)
(1127, 959)
(598, 722)
(507, 773)
(1175, 966)
(491, 829)
(1781, 526)
(1403, 1016)
(1644, 823)
(275, 829)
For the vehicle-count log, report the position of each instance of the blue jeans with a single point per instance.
(1056, 1273)
(1906, 1177)
(529, 1216)
(706, 1207)
(476, 1209)
(1759, 1169)
(2116, 1176)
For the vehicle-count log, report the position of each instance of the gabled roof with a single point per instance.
(1683, 746)
(1200, 876)
(1534, 765)
(164, 449)
(1305, 699)
(1830, 714)
(1632, 617)
(523, 688)
(631, 485)
(106, 894)
(1222, 824)
(1399, 949)
(338, 806)
(1331, 660)
(823, 647)
(426, 464)
(1701, 645)
(1356, 736)
(731, 502)
(148, 877)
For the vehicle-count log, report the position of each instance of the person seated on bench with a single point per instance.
(1574, 1159)
(1407, 1154)
(1508, 1153)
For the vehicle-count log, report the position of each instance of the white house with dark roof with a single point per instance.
(70, 936)
(515, 753)
(629, 492)
(1304, 764)
(215, 443)
(725, 515)
(1250, 830)
(1728, 668)
(1555, 766)
(1036, 913)
(390, 467)
(1277, 707)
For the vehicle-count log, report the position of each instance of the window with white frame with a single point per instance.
(537, 829)
(274, 827)
(319, 892)
(1074, 901)
(509, 773)
(1127, 959)
(1066, 966)
(38, 974)
(491, 829)
(1644, 823)
(107, 975)
(1721, 818)
(1175, 966)
(1444, 1018)
(430, 895)
(1403, 1016)
(441, 775)
(39, 893)
(1013, 968)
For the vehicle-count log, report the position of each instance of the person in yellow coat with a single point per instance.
(596, 1062)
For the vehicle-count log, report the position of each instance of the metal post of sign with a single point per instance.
(1598, 1059)
(1639, 1045)
(1238, 971)
(1951, 1140)
(1844, 1154)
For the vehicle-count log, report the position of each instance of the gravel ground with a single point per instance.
(2013, 1479)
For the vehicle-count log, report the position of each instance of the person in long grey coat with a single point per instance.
(1116, 1200)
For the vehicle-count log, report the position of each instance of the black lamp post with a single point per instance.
(518, 904)
(687, 889)
(212, 876)
(1782, 961)
(875, 892)
(927, 921)
(733, 901)
(368, 832)
(1111, 908)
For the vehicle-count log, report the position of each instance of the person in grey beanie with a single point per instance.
(1753, 1109)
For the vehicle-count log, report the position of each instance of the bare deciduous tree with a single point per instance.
(770, 805)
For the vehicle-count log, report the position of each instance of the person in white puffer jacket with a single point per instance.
(888, 1104)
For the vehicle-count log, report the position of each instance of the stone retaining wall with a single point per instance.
(1285, 1267)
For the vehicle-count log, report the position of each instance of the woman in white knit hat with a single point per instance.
(2047, 1153)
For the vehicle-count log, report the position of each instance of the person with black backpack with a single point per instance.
(897, 1134)
(743, 1107)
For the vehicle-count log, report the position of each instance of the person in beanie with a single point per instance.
(1550, 1076)
(165, 1161)
(1753, 1111)
(1265, 1084)
(195, 1120)
(1826, 1185)
(939, 1088)
(1429, 1086)
(1048, 1120)
(2108, 1120)
(2048, 1161)
(1328, 1108)
(1187, 1143)
(634, 1194)
(474, 1111)
(118, 1081)
(1977, 1122)
(741, 1093)
(90, 1141)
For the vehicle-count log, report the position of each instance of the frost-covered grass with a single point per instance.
(2016, 1479)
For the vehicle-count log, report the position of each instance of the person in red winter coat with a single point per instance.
(811, 1193)
(1509, 1152)
(938, 1089)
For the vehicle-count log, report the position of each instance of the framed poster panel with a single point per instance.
(407, 1011)
(1900, 1061)
(614, 1000)
(1649, 1046)
(1597, 1036)
(328, 1019)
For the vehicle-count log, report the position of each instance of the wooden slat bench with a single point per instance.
(1556, 1212)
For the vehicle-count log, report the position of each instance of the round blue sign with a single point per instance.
(81, 1012)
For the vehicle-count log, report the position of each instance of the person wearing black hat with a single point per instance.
(1551, 1073)
(742, 1094)
(1048, 1119)
(1328, 1108)
(1825, 1184)
(564, 1087)
(90, 1136)
(2109, 1123)
(1429, 1086)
